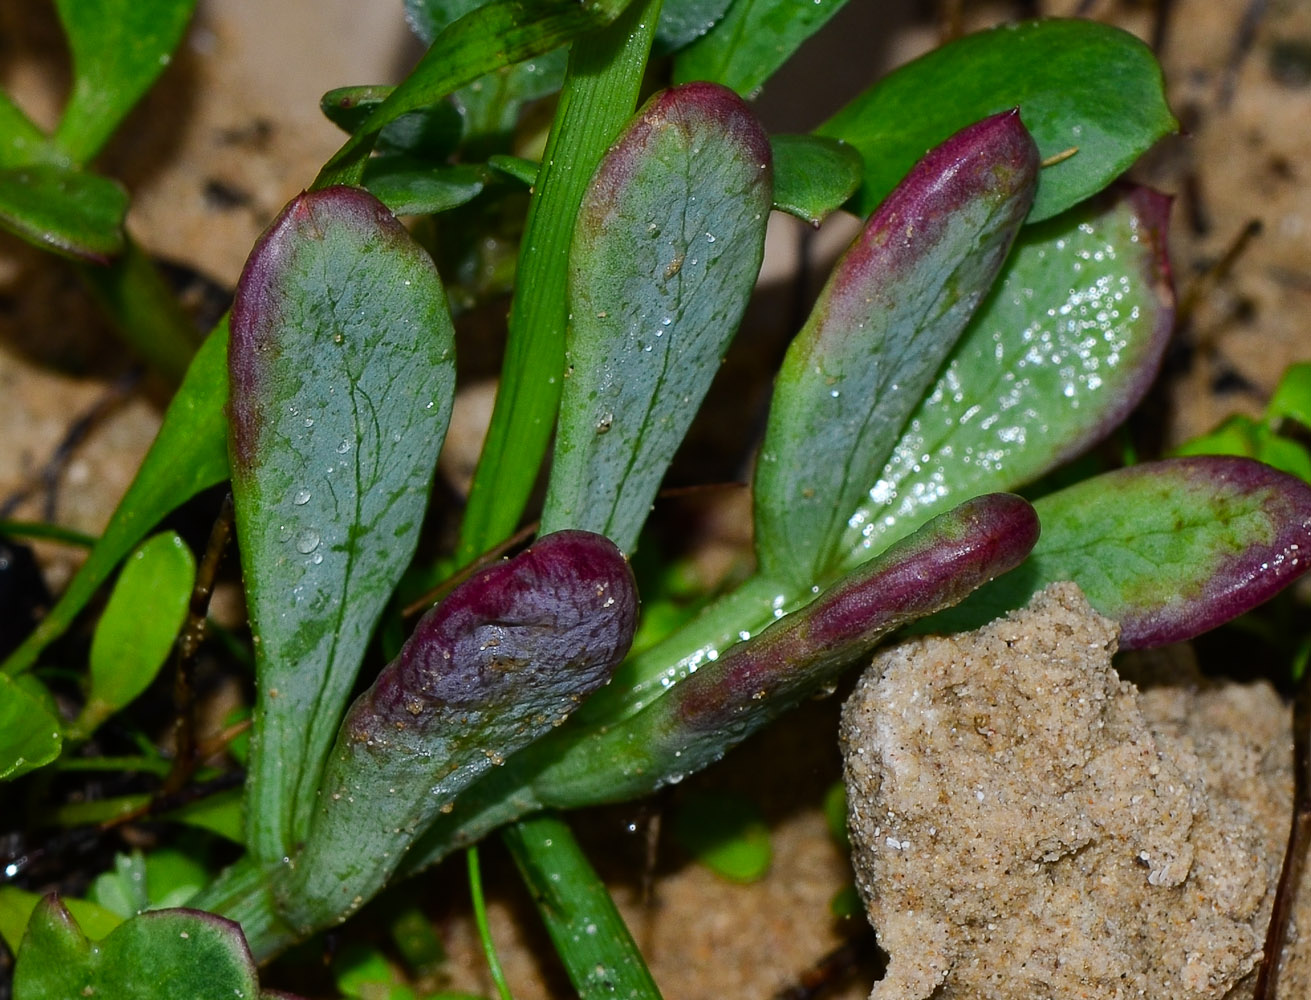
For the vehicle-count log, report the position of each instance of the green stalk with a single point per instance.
(144, 310)
(588, 933)
(599, 95)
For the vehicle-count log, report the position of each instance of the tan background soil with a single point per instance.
(233, 131)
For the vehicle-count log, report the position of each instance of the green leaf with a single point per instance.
(666, 251)
(726, 833)
(894, 306)
(605, 75)
(755, 38)
(164, 953)
(496, 34)
(813, 175)
(21, 142)
(1168, 549)
(30, 734)
(119, 48)
(164, 878)
(588, 933)
(342, 373)
(189, 454)
(16, 906)
(72, 212)
(502, 660)
(1078, 84)
(136, 632)
(411, 187)
(362, 972)
(1292, 398)
(223, 815)
(1058, 355)
(430, 133)
(684, 21)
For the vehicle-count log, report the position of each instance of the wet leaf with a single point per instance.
(684, 21)
(813, 175)
(342, 374)
(1058, 355)
(753, 40)
(894, 306)
(411, 187)
(72, 212)
(503, 659)
(1078, 84)
(430, 133)
(1168, 549)
(718, 703)
(189, 454)
(666, 252)
(136, 631)
(30, 733)
(164, 953)
(119, 48)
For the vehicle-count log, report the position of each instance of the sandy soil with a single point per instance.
(233, 131)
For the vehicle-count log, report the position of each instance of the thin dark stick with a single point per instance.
(47, 479)
(1161, 25)
(432, 596)
(1243, 41)
(1295, 853)
(1217, 271)
(1085, 8)
(185, 649)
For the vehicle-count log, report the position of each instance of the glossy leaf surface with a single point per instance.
(189, 454)
(1058, 355)
(754, 39)
(589, 934)
(666, 252)
(1078, 84)
(119, 48)
(17, 906)
(504, 658)
(342, 374)
(708, 712)
(21, 141)
(894, 306)
(72, 212)
(1168, 549)
(684, 21)
(30, 733)
(411, 187)
(136, 631)
(163, 953)
(813, 175)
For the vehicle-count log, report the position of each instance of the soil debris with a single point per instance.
(1025, 824)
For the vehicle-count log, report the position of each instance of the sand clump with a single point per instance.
(1027, 825)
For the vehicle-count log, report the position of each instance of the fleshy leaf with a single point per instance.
(1169, 549)
(189, 455)
(21, 141)
(163, 953)
(753, 40)
(665, 255)
(136, 632)
(813, 175)
(708, 712)
(17, 906)
(431, 133)
(1079, 85)
(726, 832)
(342, 374)
(684, 21)
(411, 187)
(70, 211)
(30, 734)
(503, 659)
(1058, 355)
(119, 48)
(894, 306)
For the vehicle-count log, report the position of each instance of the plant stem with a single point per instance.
(599, 94)
(144, 311)
(484, 932)
(589, 934)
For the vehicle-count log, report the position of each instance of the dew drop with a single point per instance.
(344, 447)
(301, 498)
(307, 541)
(309, 421)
